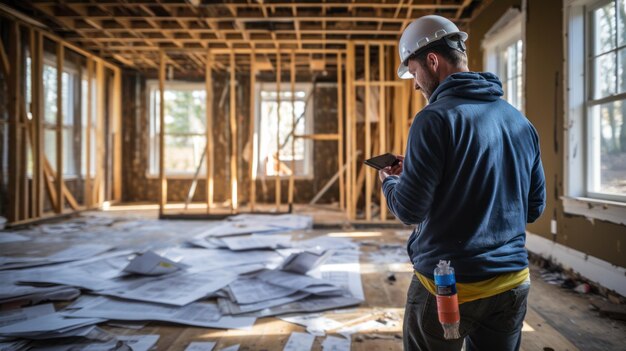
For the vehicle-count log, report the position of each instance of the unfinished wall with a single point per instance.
(544, 96)
(138, 186)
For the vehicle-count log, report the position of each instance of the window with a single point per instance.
(268, 131)
(606, 101)
(185, 118)
(503, 47)
(596, 107)
(68, 80)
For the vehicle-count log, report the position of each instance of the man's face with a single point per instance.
(424, 78)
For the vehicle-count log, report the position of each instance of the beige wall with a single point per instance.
(544, 96)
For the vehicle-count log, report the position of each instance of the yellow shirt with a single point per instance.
(479, 290)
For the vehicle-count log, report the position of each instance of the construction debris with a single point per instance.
(237, 270)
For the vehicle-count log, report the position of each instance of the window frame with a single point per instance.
(577, 199)
(504, 33)
(154, 128)
(308, 127)
(73, 74)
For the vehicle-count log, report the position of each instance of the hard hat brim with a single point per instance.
(403, 72)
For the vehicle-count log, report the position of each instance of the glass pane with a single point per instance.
(608, 149)
(604, 31)
(621, 71)
(50, 94)
(68, 97)
(50, 147)
(28, 82)
(69, 164)
(184, 111)
(621, 22)
(183, 153)
(604, 75)
(268, 142)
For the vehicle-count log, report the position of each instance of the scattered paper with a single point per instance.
(332, 343)
(201, 346)
(309, 304)
(195, 314)
(256, 241)
(73, 253)
(24, 314)
(127, 325)
(284, 221)
(9, 237)
(369, 325)
(228, 229)
(252, 290)
(303, 262)
(53, 322)
(302, 282)
(149, 263)
(315, 324)
(231, 348)
(178, 289)
(36, 294)
(139, 342)
(299, 342)
(229, 307)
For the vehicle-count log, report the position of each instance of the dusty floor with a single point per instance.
(557, 319)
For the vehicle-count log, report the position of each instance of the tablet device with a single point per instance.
(381, 161)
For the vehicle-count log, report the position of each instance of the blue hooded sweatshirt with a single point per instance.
(472, 178)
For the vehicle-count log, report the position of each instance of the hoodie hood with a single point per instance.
(484, 86)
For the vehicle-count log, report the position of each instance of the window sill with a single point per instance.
(610, 211)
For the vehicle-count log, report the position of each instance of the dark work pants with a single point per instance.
(493, 323)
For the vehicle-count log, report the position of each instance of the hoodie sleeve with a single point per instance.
(410, 195)
(537, 192)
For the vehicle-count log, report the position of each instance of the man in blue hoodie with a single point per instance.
(470, 181)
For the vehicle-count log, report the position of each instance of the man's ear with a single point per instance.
(432, 61)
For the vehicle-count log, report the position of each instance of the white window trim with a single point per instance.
(575, 67)
(308, 144)
(70, 69)
(507, 30)
(153, 152)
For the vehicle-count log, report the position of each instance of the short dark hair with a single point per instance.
(453, 55)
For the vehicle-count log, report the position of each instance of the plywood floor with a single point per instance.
(556, 319)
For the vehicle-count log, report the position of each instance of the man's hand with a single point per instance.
(395, 170)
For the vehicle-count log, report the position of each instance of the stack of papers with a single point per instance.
(149, 263)
(73, 253)
(241, 269)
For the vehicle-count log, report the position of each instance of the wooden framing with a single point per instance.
(292, 75)
(252, 138)
(358, 175)
(340, 146)
(382, 119)
(36, 108)
(31, 181)
(368, 137)
(233, 137)
(98, 193)
(59, 129)
(88, 175)
(162, 179)
(117, 135)
(14, 91)
(350, 133)
(277, 182)
(121, 30)
(208, 81)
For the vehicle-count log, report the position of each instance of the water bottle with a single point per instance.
(447, 300)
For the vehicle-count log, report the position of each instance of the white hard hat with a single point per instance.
(421, 32)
